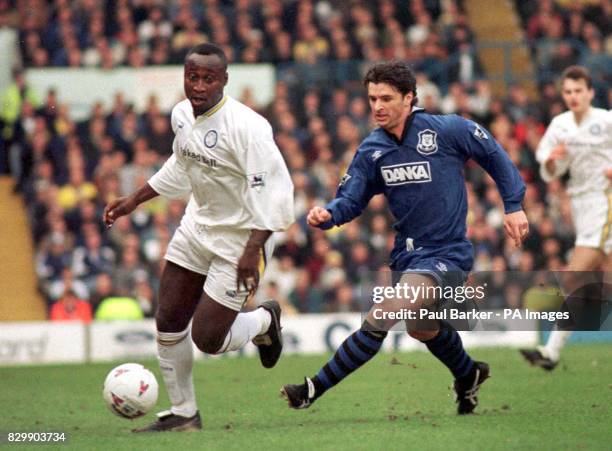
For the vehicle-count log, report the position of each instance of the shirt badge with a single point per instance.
(427, 142)
(210, 139)
(257, 181)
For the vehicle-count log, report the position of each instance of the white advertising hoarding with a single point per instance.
(46, 342)
(117, 340)
(41, 342)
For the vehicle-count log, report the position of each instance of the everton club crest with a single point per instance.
(427, 142)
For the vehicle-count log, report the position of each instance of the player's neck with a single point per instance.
(398, 130)
(206, 111)
(579, 116)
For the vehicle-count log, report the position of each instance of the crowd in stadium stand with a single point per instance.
(67, 171)
(567, 32)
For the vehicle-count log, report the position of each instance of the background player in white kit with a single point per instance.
(225, 156)
(579, 140)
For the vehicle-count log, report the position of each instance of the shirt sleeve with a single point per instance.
(477, 143)
(171, 180)
(550, 140)
(356, 189)
(269, 188)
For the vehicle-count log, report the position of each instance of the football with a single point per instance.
(130, 390)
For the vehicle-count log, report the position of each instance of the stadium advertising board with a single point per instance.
(43, 342)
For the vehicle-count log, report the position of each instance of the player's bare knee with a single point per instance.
(205, 341)
(422, 335)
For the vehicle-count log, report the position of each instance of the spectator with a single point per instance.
(70, 308)
(119, 309)
(77, 189)
(305, 297)
(10, 108)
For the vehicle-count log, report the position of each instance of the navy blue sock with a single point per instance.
(356, 350)
(448, 348)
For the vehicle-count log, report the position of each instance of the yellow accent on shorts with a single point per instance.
(606, 229)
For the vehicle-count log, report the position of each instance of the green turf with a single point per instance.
(400, 401)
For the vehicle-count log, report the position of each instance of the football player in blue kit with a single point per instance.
(416, 160)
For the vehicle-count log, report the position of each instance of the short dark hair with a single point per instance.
(577, 73)
(208, 49)
(394, 73)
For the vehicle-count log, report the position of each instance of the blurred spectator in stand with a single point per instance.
(466, 68)
(67, 282)
(186, 38)
(92, 259)
(118, 308)
(154, 27)
(77, 189)
(305, 296)
(102, 289)
(11, 100)
(70, 308)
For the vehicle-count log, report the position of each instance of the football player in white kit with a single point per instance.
(579, 140)
(225, 156)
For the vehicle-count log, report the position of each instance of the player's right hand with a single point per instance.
(317, 216)
(558, 153)
(115, 209)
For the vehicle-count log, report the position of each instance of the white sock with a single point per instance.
(175, 355)
(246, 326)
(556, 342)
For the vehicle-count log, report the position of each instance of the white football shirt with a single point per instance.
(589, 150)
(228, 160)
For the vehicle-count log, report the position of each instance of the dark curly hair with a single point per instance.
(396, 74)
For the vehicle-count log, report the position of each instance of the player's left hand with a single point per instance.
(608, 173)
(516, 226)
(248, 269)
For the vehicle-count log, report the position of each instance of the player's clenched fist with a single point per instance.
(558, 153)
(317, 216)
(119, 207)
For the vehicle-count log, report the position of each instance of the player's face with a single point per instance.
(204, 80)
(576, 95)
(389, 107)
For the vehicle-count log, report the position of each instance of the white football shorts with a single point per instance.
(592, 214)
(214, 252)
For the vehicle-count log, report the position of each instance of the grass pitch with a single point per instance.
(397, 401)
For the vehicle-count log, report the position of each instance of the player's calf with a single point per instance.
(446, 346)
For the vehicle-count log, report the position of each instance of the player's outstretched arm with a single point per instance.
(125, 205)
(516, 226)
